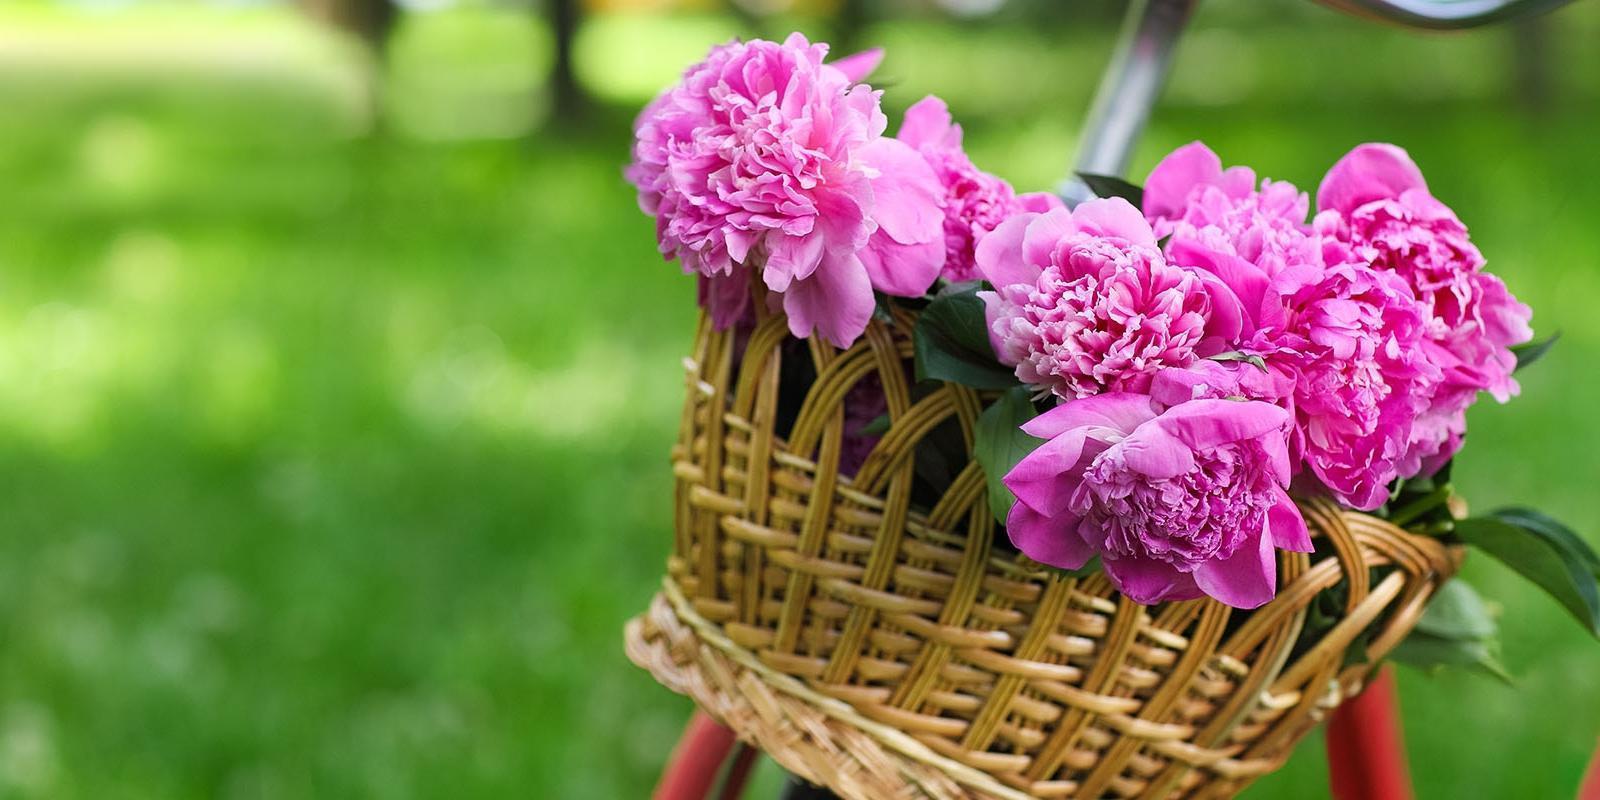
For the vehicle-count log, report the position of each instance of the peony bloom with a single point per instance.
(1176, 502)
(763, 157)
(1354, 342)
(1376, 205)
(1190, 197)
(864, 405)
(1085, 303)
(974, 201)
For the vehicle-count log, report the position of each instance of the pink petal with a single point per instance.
(1149, 582)
(1166, 191)
(1039, 202)
(1369, 172)
(992, 309)
(857, 66)
(1044, 234)
(908, 199)
(1227, 323)
(1247, 579)
(927, 124)
(1246, 280)
(1206, 424)
(1287, 525)
(836, 301)
(1120, 411)
(791, 258)
(903, 270)
(1114, 216)
(1045, 479)
(1153, 451)
(999, 253)
(726, 297)
(1048, 540)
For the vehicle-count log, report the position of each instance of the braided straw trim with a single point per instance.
(821, 738)
(891, 650)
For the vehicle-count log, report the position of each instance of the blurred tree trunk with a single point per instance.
(1531, 63)
(852, 21)
(371, 21)
(570, 102)
(752, 24)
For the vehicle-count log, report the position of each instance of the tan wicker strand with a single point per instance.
(890, 647)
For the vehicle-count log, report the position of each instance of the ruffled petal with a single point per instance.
(1367, 173)
(835, 301)
(1044, 233)
(928, 124)
(857, 66)
(1153, 452)
(1048, 540)
(1247, 579)
(907, 197)
(1288, 526)
(903, 270)
(999, 253)
(1207, 423)
(1149, 582)
(1120, 411)
(1114, 216)
(1045, 479)
(1166, 191)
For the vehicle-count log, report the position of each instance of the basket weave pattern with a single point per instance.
(890, 652)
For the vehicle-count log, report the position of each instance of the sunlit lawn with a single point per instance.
(332, 466)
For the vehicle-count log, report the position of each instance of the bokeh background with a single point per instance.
(338, 369)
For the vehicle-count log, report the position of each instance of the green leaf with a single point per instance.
(1431, 653)
(1551, 529)
(999, 443)
(880, 310)
(1112, 186)
(1457, 612)
(1457, 629)
(951, 341)
(1546, 553)
(1249, 358)
(1090, 567)
(1533, 351)
(877, 427)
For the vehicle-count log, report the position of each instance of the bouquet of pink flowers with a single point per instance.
(1166, 366)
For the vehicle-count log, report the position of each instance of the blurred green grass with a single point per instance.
(334, 463)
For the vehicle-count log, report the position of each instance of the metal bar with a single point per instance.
(1443, 15)
(1366, 748)
(1132, 82)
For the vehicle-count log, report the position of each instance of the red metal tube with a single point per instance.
(696, 762)
(1591, 784)
(1366, 750)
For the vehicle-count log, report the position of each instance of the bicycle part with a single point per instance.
(696, 763)
(1128, 91)
(1366, 749)
(1443, 15)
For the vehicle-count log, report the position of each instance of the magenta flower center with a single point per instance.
(1185, 521)
(1125, 317)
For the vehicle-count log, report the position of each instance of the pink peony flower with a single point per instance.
(1084, 303)
(864, 404)
(1190, 197)
(974, 201)
(1354, 342)
(763, 157)
(1375, 204)
(1176, 502)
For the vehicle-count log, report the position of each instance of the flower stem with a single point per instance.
(1415, 509)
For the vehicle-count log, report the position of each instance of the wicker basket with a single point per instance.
(889, 652)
